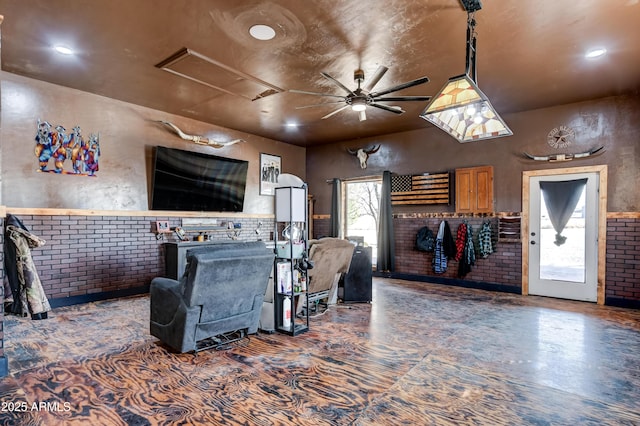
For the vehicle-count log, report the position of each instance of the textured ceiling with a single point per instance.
(530, 55)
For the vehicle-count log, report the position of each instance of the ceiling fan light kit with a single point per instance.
(363, 97)
(460, 108)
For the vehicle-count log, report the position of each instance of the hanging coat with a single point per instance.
(28, 296)
(448, 243)
(439, 256)
(461, 238)
(468, 256)
(484, 239)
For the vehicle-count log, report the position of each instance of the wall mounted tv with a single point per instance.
(192, 181)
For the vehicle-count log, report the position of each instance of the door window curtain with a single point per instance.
(386, 248)
(561, 199)
(336, 197)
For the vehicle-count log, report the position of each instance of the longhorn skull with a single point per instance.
(363, 154)
(563, 157)
(200, 140)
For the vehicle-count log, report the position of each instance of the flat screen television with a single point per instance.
(192, 181)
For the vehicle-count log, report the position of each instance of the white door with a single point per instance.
(564, 264)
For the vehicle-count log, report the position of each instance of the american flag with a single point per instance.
(420, 189)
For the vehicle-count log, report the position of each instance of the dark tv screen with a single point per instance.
(192, 181)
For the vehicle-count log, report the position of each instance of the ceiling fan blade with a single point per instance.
(304, 92)
(376, 78)
(393, 109)
(335, 112)
(412, 83)
(317, 105)
(362, 116)
(402, 98)
(337, 83)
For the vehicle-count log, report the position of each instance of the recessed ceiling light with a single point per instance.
(595, 53)
(63, 50)
(262, 32)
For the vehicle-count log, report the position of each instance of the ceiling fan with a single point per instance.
(362, 97)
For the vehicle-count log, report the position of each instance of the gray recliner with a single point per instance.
(221, 292)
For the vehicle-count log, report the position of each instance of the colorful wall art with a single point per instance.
(60, 151)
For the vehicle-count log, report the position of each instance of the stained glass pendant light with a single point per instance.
(461, 109)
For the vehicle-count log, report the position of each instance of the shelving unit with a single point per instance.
(290, 277)
(509, 229)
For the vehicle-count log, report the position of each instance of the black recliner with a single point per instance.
(221, 292)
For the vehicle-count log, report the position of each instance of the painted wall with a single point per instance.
(611, 122)
(127, 135)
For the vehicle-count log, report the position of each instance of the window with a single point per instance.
(360, 212)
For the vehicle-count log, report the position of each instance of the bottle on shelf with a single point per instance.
(286, 312)
(303, 283)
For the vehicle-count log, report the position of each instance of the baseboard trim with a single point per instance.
(94, 297)
(622, 303)
(480, 285)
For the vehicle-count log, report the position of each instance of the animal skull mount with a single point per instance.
(363, 154)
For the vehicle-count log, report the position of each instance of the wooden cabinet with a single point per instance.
(474, 190)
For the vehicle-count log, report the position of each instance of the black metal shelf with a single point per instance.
(288, 209)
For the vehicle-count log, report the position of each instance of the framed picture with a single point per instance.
(270, 169)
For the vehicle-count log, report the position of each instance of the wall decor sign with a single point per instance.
(270, 169)
(561, 137)
(427, 188)
(59, 151)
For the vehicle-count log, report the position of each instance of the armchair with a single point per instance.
(221, 292)
(331, 258)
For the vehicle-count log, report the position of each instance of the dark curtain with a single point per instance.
(386, 249)
(561, 199)
(336, 196)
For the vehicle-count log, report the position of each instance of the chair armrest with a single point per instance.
(166, 296)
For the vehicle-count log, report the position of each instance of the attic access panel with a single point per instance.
(196, 67)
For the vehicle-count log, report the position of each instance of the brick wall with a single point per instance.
(93, 254)
(501, 268)
(87, 255)
(623, 261)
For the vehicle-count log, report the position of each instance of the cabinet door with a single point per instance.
(484, 189)
(464, 191)
(474, 190)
